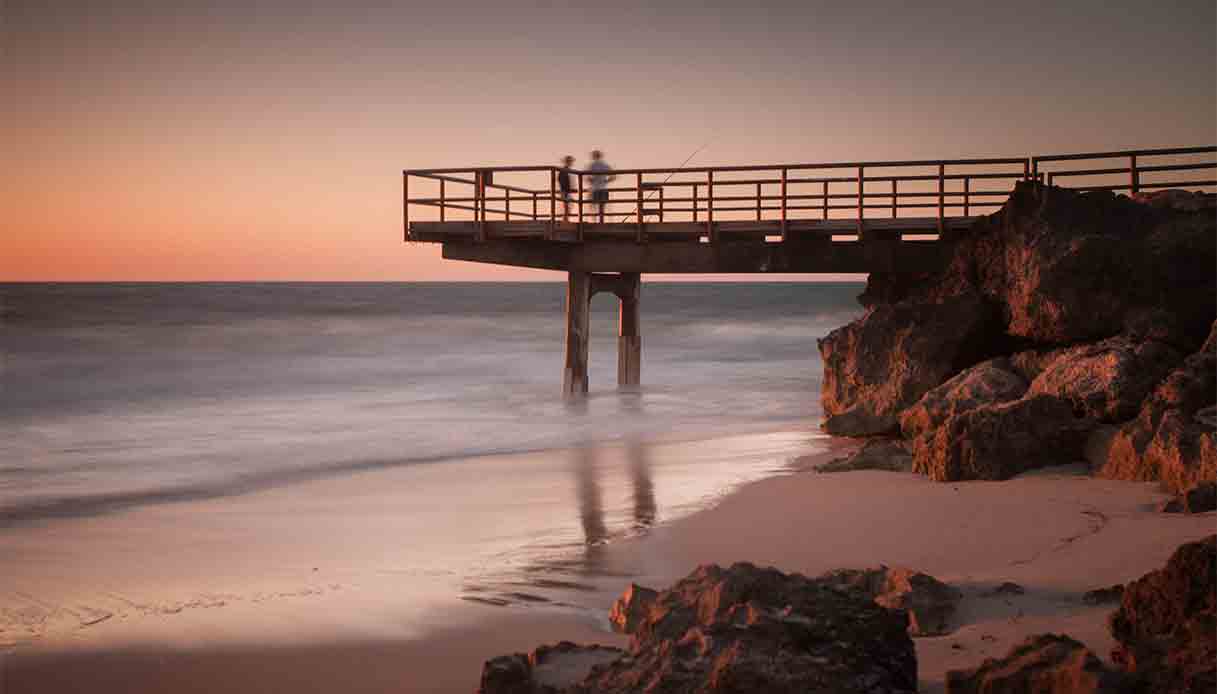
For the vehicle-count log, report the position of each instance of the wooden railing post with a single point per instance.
(553, 203)
(639, 196)
(861, 199)
(1134, 178)
(967, 188)
(479, 185)
(579, 229)
(441, 199)
(758, 202)
(507, 204)
(534, 206)
(661, 202)
(405, 207)
(710, 207)
(824, 200)
(893, 197)
(695, 202)
(785, 175)
(942, 181)
(1030, 168)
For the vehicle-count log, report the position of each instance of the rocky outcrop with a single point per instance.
(631, 609)
(986, 383)
(884, 362)
(997, 442)
(891, 455)
(1045, 664)
(1198, 499)
(1083, 305)
(1171, 439)
(930, 603)
(1166, 627)
(747, 629)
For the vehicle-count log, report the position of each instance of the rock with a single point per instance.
(885, 361)
(1198, 499)
(930, 603)
(1098, 446)
(1106, 381)
(1177, 199)
(997, 442)
(1102, 596)
(631, 608)
(547, 670)
(1044, 664)
(1167, 620)
(878, 454)
(1007, 588)
(1170, 439)
(986, 383)
(749, 629)
(1069, 267)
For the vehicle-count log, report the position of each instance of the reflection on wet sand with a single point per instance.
(644, 489)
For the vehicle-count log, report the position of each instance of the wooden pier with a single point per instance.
(844, 217)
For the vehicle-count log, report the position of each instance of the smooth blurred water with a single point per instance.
(115, 395)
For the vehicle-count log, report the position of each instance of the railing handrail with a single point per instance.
(1126, 153)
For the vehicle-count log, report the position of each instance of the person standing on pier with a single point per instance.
(564, 185)
(601, 176)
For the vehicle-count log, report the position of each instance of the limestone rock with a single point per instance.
(1044, 664)
(1106, 381)
(997, 442)
(891, 455)
(1170, 439)
(1178, 199)
(885, 361)
(547, 670)
(631, 608)
(1166, 627)
(747, 629)
(1198, 499)
(930, 603)
(1101, 596)
(986, 383)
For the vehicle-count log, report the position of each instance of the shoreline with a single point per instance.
(1056, 532)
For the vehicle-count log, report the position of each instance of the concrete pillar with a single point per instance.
(578, 304)
(629, 342)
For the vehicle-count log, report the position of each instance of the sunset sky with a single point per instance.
(264, 140)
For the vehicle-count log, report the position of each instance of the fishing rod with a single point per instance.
(675, 171)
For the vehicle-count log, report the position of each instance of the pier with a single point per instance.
(843, 217)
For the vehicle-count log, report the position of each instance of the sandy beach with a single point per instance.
(1057, 533)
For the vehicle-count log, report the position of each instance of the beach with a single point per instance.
(1057, 533)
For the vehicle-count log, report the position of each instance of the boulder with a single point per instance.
(885, 361)
(1069, 267)
(1178, 199)
(986, 383)
(930, 603)
(1107, 380)
(746, 629)
(1102, 596)
(631, 608)
(1170, 439)
(891, 455)
(1044, 664)
(997, 442)
(1199, 498)
(547, 670)
(1166, 626)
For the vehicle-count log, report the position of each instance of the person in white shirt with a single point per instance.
(601, 176)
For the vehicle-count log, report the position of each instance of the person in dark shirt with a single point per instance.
(564, 185)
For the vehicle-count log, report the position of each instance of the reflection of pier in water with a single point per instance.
(590, 496)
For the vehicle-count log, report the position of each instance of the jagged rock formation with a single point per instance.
(629, 610)
(891, 455)
(1197, 499)
(742, 629)
(930, 603)
(1046, 664)
(1167, 623)
(1058, 315)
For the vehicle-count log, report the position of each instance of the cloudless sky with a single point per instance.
(264, 139)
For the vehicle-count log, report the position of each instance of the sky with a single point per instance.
(264, 139)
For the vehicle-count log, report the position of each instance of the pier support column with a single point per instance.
(578, 305)
(629, 342)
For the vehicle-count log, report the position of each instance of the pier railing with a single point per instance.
(783, 193)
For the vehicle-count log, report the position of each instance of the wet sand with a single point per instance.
(1054, 532)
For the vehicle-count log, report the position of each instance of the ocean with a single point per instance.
(118, 397)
